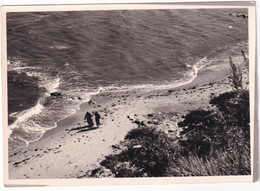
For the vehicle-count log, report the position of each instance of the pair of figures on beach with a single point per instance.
(90, 122)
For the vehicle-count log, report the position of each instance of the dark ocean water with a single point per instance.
(81, 53)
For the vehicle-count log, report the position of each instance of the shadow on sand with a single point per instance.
(83, 129)
(88, 129)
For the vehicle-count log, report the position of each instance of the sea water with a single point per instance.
(79, 54)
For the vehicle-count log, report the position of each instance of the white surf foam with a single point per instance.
(24, 118)
(59, 47)
(188, 78)
(51, 85)
(195, 70)
(26, 114)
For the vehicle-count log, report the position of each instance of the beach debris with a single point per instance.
(156, 121)
(90, 102)
(16, 153)
(23, 161)
(16, 163)
(137, 146)
(55, 94)
(115, 147)
(149, 122)
(137, 122)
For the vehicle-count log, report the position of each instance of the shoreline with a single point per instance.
(39, 107)
(70, 150)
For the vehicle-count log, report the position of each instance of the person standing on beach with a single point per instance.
(88, 116)
(97, 119)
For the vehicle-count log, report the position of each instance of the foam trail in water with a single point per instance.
(25, 115)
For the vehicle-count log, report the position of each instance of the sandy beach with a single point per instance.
(71, 150)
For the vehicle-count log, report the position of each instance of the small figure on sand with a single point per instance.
(97, 118)
(88, 116)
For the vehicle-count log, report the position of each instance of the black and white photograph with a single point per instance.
(129, 92)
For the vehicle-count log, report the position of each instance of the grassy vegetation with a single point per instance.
(148, 153)
(215, 141)
(223, 163)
